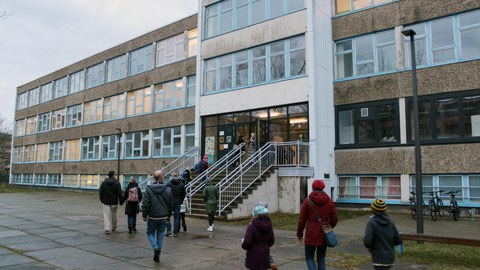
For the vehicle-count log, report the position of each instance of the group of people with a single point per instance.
(160, 200)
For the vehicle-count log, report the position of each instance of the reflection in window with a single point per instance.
(368, 187)
(94, 76)
(171, 49)
(140, 60)
(137, 144)
(443, 42)
(470, 34)
(72, 150)
(92, 111)
(116, 68)
(139, 102)
(471, 107)
(446, 111)
(114, 107)
(259, 64)
(76, 82)
(60, 87)
(90, 148)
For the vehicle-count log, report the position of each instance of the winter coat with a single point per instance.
(210, 197)
(157, 201)
(178, 190)
(381, 236)
(257, 242)
(327, 212)
(111, 192)
(131, 208)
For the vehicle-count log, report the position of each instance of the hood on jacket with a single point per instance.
(110, 181)
(208, 182)
(263, 224)
(381, 219)
(319, 197)
(175, 180)
(130, 185)
(157, 188)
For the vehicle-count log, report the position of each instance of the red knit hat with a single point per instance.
(205, 158)
(318, 185)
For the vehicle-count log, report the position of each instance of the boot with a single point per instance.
(156, 255)
(184, 227)
(129, 230)
(134, 228)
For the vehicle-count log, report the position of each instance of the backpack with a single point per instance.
(197, 167)
(133, 194)
(186, 176)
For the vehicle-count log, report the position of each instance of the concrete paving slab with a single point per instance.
(81, 261)
(116, 266)
(28, 226)
(5, 251)
(37, 245)
(81, 240)
(11, 233)
(45, 230)
(60, 235)
(58, 253)
(20, 239)
(119, 250)
(30, 266)
(13, 259)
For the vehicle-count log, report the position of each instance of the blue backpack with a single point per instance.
(197, 167)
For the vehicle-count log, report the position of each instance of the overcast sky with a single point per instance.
(42, 36)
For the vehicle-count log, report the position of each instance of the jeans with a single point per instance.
(156, 227)
(132, 221)
(310, 252)
(109, 217)
(176, 218)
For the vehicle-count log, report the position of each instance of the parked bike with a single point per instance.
(453, 204)
(435, 204)
(413, 205)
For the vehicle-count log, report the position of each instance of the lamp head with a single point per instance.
(408, 33)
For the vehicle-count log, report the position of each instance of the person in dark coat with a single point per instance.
(240, 140)
(314, 238)
(210, 197)
(179, 193)
(132, 207)
(381, 236)
(258, 240)
(110, 195)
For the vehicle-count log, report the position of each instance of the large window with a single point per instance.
(18, 154)
(29, 153)
(285, 59)
(56, 151)
(369, 187)
(229, 15)
(72, 150)
(347, 6)
(70, 180)
(58, 119)
(191, 84)
(170, 50)
(42, 153)
(367, 124)
(60, 87)
(20, 127)
(95, 75)
(114, 107)
(170, 95)
(116, 68)
(166, 142)
(474, 188)
(22, 101)
(45, 92)
(76, 82)
(92, 111)
(33, 96)
(137, 144)
(447, 117)
(89, 181)
(40, 179)
(110, 146)
(74, 115)
(140, 60)
(189, 137)
(44, 122)
(469, 26)
(91, 148)
(139, 102)
(31, 125)
(54, 179)
(192, 42)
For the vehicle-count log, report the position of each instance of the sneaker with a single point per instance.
(175, 235)
(114, 228)
(107, 232)
(210, 229)
(273, 266)
(168, 233)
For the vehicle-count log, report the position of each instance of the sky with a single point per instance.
(38, 37)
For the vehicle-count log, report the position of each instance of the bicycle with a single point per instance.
(413, 205)
(435, 204)
(453, 205)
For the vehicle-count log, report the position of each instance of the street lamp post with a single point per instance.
(119, 148)
(418, 154)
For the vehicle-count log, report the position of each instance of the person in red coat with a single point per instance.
(314, 239)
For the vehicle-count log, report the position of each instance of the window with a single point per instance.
(28, 178)
(95, 75)
(22, 101)
(18, 154)
(116, 68)
(344, 56)
(42, 153)
(297, 56)
(450, 117)
(33, 97)
(45, 92)
(191, 84)
(390, 188)
(31, 125)
(241, 17)
(470, 34)
(60, 87)
(92, 112)
(40, 179)
(44, 122)
(385, 46)
(140, 60)
(70, 180)
(226, 72)
(74, 115)
(54, 179)
(258, 11)
(56, 151)
(16, 178)
(114, 107)
(474, 188)
(76, 82)
(58, 119)
(210, 76)
(443, 42)
(347, 6)
(72, 150)
(170, 50)
(366, 124)
(189, 137)
(259, 64)
(20, 127)
(427, 183)
(277, 60)
(369, 187)
(166, 142)
(241, 69)
(450, 183)
(137, 144)
(89, 181)
(226, 16)
(192, 42)
(29, 153)
(139, 102)
(169, 95)
(110, 146)
(90, 148)
(138, 177)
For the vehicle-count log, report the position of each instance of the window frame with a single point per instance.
(76, 82)
(144, 57)
(131, 144)
(55, 151)
(116, 68)
(95, 75)
(73, 150)
(111, 153)
(74, 115)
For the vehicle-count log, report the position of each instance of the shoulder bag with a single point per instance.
(330, 236)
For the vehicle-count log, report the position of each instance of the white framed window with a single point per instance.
(74, 115)
(58, 119)
(110, 146)
(22, 101)
(114, 107)
(139, 102)
(34, 96)
(91, 148)
(54, 179)
(137, 144)
(469, 27)
(192, 42)
(116, 68)
(92, 111)
(42, 153)
(16, 178)
(29, 153)
(226, 69)
(18, 154)
(95, 75)
(211, 76)
(474, 188)
(40, 179)
(56, 151)
(44, 122)
(169, 95)
(389, 188)
(297, 56)
(89, 181)
(71, 180)
(60, 87)
(28, 178)
(242, 69)
(189, 137)
(166, 142)
(31, 125)
(76, 82)
(140, 60)
(46, 92)
(347, 6)
(170, 50)
(72, 150)
(259, 64)
(20, 127)
(443, 40)
(191, 85)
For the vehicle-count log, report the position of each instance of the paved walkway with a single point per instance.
(63, 230)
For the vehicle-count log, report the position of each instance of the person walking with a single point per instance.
(210, 197)
(157, 207)
(258, 239)
(317, 201)
(381, 236)
(178, 192)
(110, 195)
(252, 145)
(133, 195)
(240, 141)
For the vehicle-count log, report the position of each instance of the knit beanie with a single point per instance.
(318, 185)
(259, 210)
(378, 206)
